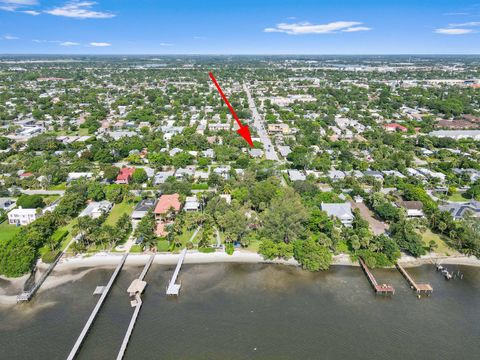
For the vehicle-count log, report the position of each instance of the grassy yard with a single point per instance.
(442, 247)
(8, 231)
(61, 186)
(457, 197)
(118, 210)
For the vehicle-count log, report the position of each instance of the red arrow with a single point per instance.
(243, 130)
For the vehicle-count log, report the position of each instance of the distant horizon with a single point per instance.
(239, 27)
(238, 54)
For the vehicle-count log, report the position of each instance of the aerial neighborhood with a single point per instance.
(368, 159)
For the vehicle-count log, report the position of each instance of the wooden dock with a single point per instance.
(379, 289)
(96, 309)
(173, 288)
(137, 303)
(419, 288)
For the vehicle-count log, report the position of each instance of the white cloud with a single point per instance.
(9, 37)
(100, 44)
(357, 28)
(165, 44)
(31, 12)
(79, 10)
(449, 31)
(467, 24)
(308, 28)
(69, 43)
(13, 5)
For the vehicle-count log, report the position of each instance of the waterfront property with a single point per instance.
(23, 216)
(142, 208)
(341, 211)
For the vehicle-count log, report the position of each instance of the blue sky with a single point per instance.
(240, 27)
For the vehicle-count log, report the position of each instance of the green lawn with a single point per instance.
(442, 247)
(118, 210)
(69, 228)
(457, 197)
(8, 231)
(61, 186)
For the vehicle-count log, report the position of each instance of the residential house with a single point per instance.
(279, 128)
(73, 176)
(96, 209)
(341, 211)
(125, 175)
(296, 175)
(394, 127)
(165, 204)
(7, 203)
(142, 208)
(459, 210)
(22, 216)
(413, 208)
(191, 204)
(161, 177)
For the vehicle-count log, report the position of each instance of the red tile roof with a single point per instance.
(395, 127)
(125, 174)
(166, 202)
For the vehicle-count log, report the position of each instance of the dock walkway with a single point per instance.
(379, 289)
(96, 309)
(173, 288)
(419, 288)
(138, 306)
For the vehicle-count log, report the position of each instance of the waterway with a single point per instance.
(246, 311)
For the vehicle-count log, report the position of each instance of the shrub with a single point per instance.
(30, 201)
(229, 248)
(50, 256)
(208, 250)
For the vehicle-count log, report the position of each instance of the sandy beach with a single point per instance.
(65, 271)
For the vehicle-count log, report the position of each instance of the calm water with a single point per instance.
(228, 311)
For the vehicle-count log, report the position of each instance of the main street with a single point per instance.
(259, 124)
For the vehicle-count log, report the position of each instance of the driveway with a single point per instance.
(378, 227)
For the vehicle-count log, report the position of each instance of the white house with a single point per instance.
(96, 209)
(22, 216)
(191, 204)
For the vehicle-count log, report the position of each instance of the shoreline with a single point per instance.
(64, 272)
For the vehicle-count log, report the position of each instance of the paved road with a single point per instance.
(259, 124)
(43, 192)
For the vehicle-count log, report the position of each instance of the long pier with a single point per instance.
(379, 289)
(419, 288)
(96, 309)
(173, 288)
(138, 306)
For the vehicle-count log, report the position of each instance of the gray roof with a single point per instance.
(458, 210)
(343, 211)
(145, 205)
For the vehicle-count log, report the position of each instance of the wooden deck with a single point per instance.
(379, 289)
(419, 288)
